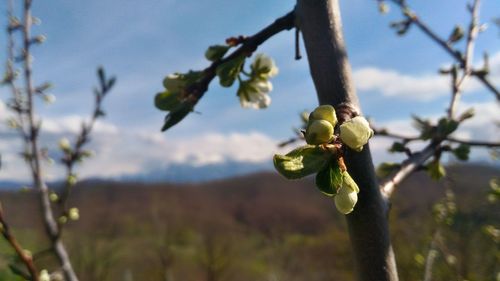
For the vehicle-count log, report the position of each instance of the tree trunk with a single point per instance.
(320, 23)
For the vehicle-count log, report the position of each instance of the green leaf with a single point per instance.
(301, 162)
(348, 181)
(167, 101)
(469, 113)
(456, 35)
(397, 147)
(329, 179)
(176, 115)
(446, 126)
(436, 170)
(462, 152)
(229, 71)
(216, 52)
(424, 126)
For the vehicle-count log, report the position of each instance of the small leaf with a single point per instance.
(436, 170)
(329, 179)
(301, 162)
(456, 35)
(424, 126)
(469, 113)
(175, 116)
(462, 152)
(446, 126)
(229, 71)
(216, 52)
(397, 147)
(167, 101)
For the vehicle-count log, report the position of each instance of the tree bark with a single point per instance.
(320, 23)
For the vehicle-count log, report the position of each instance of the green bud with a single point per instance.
(53, 197)
(71, 180)
(44, 275)
(62, 219)
(167, 101)
(345, 200)
(349, 183)
(73, 214)
(324, 112)
(456, 35)
(174, 83)
(64, 145)
(229, 71)
(319, 132)
(216, 52)
(49, 99)
(355, 133)
(383, 8)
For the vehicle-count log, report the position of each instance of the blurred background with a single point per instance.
(202, 199)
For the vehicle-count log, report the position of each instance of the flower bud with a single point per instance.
(355, 133)
(44, 275)
(324, 112)
(73, 214)
(53, 197)
(50, 99)
(319, 132)
(174, 83)
(264, 66)
(64, 144)
(71, 180)
(62, 219)
(345, 200)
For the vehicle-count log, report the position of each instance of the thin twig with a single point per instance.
(249, 45)
(385, 133)
(419, 158)
(50, 223)
(26, 259)
(76, 153)
(411, 16)
(431, 255)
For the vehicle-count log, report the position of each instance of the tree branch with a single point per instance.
(385, 133)
(50, 223)
(249, 45)
(21, 253)
(464, 61)
(418, 159)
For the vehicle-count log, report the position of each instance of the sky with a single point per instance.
(141, 42)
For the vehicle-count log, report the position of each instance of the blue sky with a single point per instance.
(141, 43)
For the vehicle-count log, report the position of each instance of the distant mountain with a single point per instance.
(185, 173)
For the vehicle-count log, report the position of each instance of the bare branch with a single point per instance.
(465, 62)
(21, 253)
(407, 168)
(50, 223)
(474, 142)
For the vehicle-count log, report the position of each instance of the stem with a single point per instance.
(431, 256)
(321, 27)
(11, 239)
(418, 159)
(249, 46)
(410, 15)
(50, 223)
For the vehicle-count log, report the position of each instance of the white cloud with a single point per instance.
(423, 87)
(120, 152)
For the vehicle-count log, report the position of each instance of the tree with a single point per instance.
(320, 24)
(55, 210)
